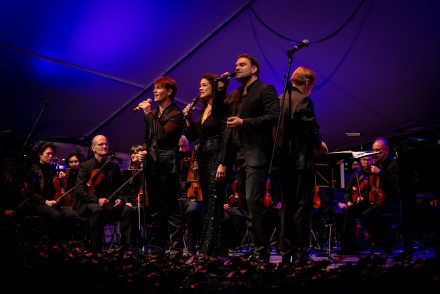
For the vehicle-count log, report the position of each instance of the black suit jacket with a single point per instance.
(259, 110)
(111, 182)
(162, 134)
(299, 135)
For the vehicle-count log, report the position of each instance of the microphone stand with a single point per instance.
(46, 103)
(289, 54)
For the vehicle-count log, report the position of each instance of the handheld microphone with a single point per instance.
(194, 101)
(230, 75)
(138, 108)
(303, 44)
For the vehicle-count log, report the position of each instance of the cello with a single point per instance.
(267, 198)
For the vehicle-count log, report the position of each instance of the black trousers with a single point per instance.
(297, 194)
(192, 210)
(251, 186)
(99, 216)
(60, 219)
(163, 198)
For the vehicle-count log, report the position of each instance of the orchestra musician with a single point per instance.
(98, 178)
(252, 111)
(164, 126)
(192, 205)
(357, 201)
(298, 140)
(42, 203)
(383, 197)
(208, 129)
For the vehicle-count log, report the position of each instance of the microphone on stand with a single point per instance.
(138, 108)
(304, 43)
(194, 101)
(230, 75)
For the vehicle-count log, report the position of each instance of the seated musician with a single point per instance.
(381, 200)
(136, 197)
(356, 199)
(42, 203)
(93, 192)
(191, 206)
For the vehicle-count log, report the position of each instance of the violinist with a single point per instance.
(356, 199)
(97, 179)
(191, 206)
(383, 196)
(59, 216)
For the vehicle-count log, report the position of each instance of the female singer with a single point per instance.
(208, 129)
(59, 216)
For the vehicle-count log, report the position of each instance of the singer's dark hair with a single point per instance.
(253, 60)
(211, 78)
(168, 83)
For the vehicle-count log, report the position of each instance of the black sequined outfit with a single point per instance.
(213, 192)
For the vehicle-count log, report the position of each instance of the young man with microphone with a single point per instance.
(252, 111)
(164, 126)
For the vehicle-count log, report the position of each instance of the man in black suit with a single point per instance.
(252, 111)
(298, 140)
(94, 203)
(164, 126)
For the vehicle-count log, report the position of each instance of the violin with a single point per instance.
(194, 191)
(316, 199)
(376, 193)
(234, 199)
(361, 184)
(142, 190)
(96, 175)
(267, 198)
(60, 186)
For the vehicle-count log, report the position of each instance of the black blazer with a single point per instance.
(111, 182)
(260, 112)
(161, 138)
(299, 135)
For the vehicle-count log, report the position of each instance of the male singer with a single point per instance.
(164, 126)
(252, 110)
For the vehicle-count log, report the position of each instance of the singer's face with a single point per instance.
(160, 93)
(206, 92)
(244, 69)
(47, 156)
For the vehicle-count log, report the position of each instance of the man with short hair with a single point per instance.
(252, 111)
(93, 196)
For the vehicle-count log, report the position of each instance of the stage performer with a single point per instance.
(252, 111)
(208, 129)
(93, 196)
(298, 140)
(164, 126)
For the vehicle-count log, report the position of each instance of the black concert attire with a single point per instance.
(359, 179)
(71, 182)
(206, 155)
(162, 134)
(88, 205)
(250, 148)
(299, 137)
(60, 216)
